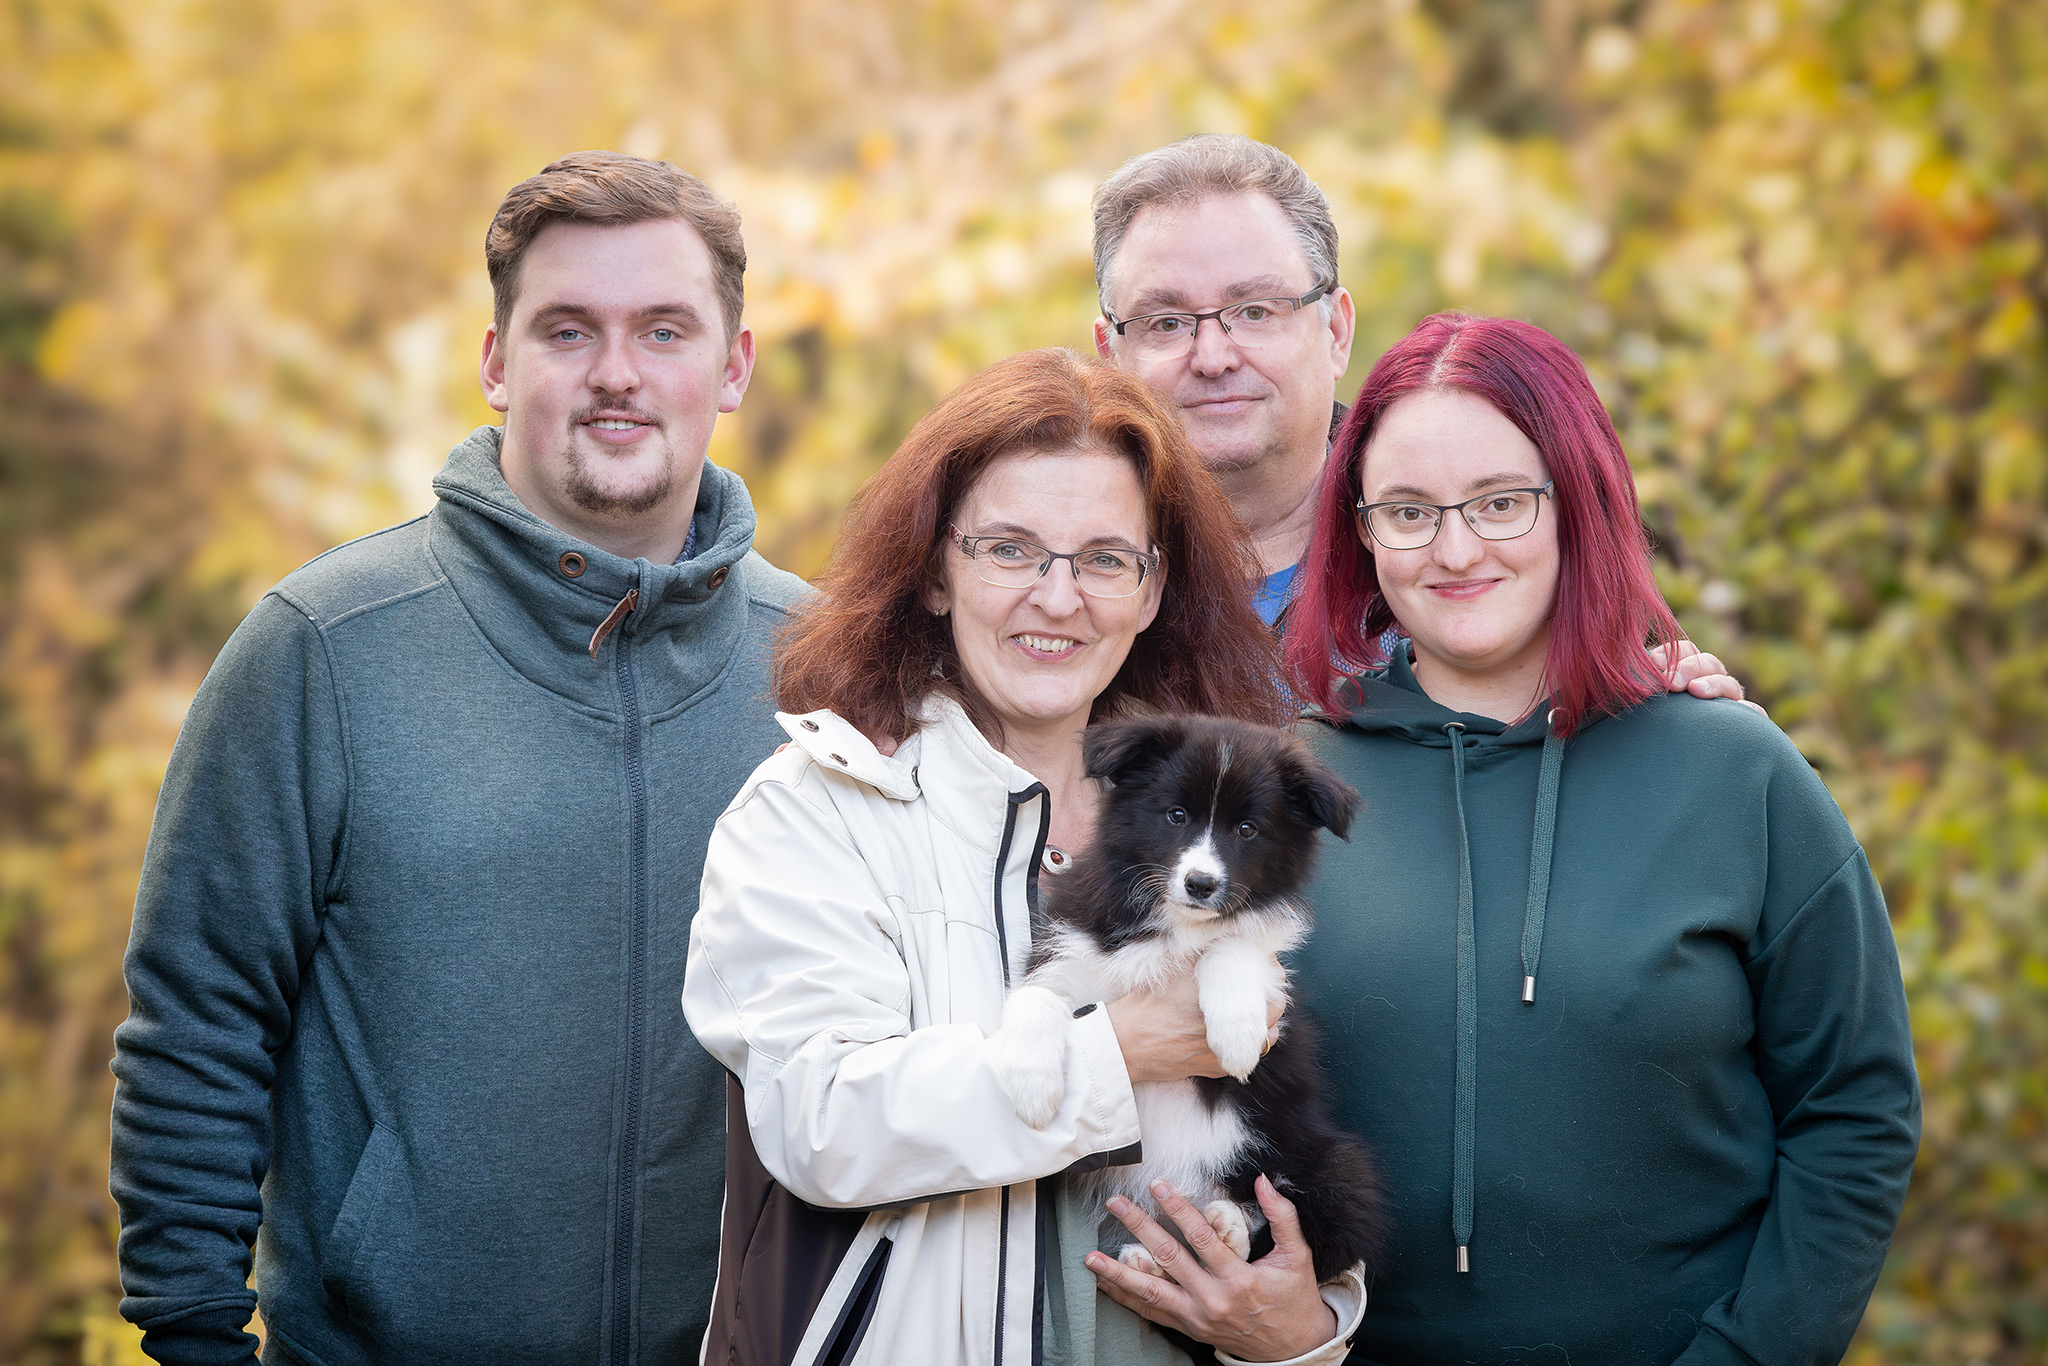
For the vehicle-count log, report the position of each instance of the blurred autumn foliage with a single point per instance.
(1800, 242)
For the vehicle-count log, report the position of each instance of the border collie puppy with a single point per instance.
(1206, 839)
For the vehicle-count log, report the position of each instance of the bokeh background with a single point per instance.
(1800, 243)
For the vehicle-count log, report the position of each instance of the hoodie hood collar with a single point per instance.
(540, 595)
(1391, 701)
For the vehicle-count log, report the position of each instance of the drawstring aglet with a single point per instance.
(1464, 1259)
(1529, 990)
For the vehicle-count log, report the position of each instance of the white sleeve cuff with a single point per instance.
(1113, 1106)
(1346, 1298)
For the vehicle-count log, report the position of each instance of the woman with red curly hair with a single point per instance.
(1044, 549)
(1687, 1138)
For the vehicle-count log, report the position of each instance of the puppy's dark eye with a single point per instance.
(1176, 816)
(1247, 831)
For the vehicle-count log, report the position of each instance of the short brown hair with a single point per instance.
(1193, 169)
(616, 189)
(869, 648)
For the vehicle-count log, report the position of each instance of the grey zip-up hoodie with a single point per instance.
(408, 943)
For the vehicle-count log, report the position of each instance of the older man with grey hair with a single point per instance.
(1216, 266)
(1216, 269)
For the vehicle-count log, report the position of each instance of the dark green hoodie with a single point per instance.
(1693, 1144)
(410, 940)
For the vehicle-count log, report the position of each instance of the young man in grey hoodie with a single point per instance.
(417, 900)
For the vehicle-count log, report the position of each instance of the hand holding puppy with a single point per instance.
(1268, 1310)
(1165, 1035)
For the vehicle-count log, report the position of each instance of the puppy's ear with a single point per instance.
(1318, 796)
(1116, 749)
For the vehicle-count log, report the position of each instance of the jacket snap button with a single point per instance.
(839, 759)
(572, 564)
(810, 725)
(718, 575)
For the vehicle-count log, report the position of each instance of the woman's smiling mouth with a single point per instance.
(1463, 590)
(1046, 647)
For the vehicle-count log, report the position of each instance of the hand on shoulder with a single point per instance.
(1699, 673)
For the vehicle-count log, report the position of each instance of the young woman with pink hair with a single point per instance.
(1608, 983)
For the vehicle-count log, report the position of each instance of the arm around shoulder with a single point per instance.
(800, 981)
(245, 844)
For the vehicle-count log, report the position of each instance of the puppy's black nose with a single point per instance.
(1201, 886)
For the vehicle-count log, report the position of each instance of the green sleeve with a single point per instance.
(1835, 1057)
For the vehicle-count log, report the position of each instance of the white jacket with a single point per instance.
(861, 922)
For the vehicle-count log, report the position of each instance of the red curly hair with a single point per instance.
(867, 647)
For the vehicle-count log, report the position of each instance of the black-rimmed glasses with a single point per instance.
(1499, 515)
(1009, 562)
(1253, 323)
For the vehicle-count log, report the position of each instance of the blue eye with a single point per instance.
(664, 334)
(568, 334)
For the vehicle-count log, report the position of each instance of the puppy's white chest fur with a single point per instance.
(1186, 1140)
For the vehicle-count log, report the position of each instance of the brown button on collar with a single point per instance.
(571, 564)
(719, 575)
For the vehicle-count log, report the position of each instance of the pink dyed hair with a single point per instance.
(1609, 609)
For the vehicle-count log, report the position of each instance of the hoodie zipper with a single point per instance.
(636, 993)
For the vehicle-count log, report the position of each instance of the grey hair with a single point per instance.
(1191, 170)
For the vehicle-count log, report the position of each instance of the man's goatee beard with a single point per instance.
(585, 493)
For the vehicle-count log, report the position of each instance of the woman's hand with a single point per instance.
(1164, 1037)
(1268, 1310)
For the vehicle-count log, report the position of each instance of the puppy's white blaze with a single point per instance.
(1234, 981)
(1031, 1053)
(1185, 1142)
(1199, 857)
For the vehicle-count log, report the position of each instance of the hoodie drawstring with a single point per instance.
(1465, 1115)
(1539, 862)
(1467, 1103)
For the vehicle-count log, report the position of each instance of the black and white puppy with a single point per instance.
(1206, 840)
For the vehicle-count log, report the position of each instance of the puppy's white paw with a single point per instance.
(1137, 1258)
(1233, 982)
(1238, 1042)
(1227, 1218)
(1031, 1054)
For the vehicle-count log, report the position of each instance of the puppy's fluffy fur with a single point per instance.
(1206, 840)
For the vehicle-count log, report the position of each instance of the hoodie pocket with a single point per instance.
(859, 1310)
(378, 1171)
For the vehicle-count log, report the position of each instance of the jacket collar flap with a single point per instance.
(834, 743)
